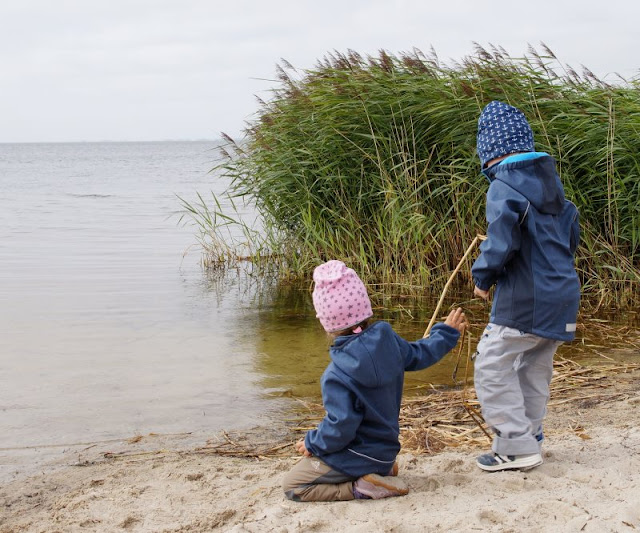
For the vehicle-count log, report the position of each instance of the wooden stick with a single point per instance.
(477, 418)
(450, 280)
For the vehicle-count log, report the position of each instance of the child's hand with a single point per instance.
(479, 292)
(301, 448)
(457, 320)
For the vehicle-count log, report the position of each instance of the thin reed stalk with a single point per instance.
(442, 418)
(478, 238)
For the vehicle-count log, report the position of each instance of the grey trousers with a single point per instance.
(313, 480)
(512, 373)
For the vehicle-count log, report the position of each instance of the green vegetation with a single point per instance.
(372, 161)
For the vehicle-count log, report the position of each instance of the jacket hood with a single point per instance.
(371, 358)
(535, 178)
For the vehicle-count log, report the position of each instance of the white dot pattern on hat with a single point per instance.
(339, 296)
(502, 130)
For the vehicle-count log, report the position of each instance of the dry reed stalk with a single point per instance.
(450, 280)
(571, 383)
(439, 418)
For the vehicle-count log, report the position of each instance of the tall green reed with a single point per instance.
(372, 160)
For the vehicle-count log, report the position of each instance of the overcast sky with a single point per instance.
(91, 70)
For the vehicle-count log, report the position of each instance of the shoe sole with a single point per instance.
(394, 484)
(510, 466)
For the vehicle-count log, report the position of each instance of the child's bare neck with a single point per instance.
(498, 159)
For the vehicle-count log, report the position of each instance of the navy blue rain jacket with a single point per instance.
(362, 391)
(532, 236)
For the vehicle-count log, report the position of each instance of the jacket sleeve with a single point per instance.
(338, 428)
(426, 352)
(575, 233)
(505, 209)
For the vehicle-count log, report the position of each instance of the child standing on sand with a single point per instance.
(352, 452)
(529, 255)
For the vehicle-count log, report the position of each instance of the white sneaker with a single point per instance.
(493, 462)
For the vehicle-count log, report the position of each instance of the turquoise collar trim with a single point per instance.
(522, 157)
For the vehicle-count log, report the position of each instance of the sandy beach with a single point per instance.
(590, 481)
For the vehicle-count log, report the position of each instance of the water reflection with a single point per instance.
(291, 349)
(107, 329)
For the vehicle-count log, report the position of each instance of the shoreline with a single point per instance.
(590, 481)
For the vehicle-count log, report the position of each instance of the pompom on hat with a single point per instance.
(502, 130)
(339, 297)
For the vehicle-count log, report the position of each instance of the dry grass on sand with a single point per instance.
(590, 480)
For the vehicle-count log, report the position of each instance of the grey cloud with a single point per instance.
(77, 70)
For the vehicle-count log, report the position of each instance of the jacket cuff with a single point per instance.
(307, 443)
(482, 284)
(447, 329)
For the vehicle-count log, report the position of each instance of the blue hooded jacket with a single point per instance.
(362, 391)
(532, 236)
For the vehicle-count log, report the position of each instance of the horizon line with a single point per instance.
(114, 141)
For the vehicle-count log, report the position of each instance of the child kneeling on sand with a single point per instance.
(352, 452)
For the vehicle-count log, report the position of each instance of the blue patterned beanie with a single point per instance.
(502, 130)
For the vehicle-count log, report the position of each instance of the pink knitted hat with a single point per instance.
(339, 297)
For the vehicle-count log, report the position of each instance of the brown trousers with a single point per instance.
(312, 480)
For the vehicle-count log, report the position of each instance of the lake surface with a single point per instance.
(110, 327)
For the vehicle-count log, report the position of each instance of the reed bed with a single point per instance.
(438, 418)
(372, 160)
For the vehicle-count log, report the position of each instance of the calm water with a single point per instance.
(110, 328)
